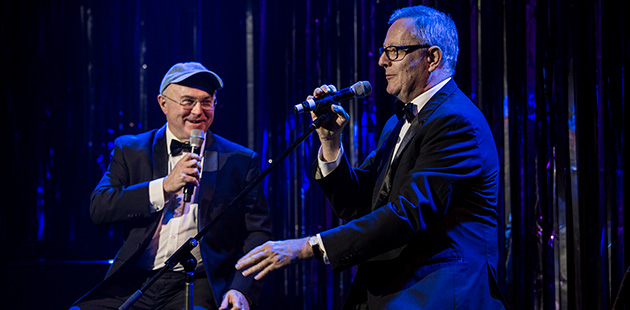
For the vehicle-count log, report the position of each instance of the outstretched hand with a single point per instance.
(234, 300)
(274, 255)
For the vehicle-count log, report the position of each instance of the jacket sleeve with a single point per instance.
(357, 184)
(347, 182)
(117, 198)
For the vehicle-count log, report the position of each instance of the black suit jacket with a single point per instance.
(424, 228)
(122, 197)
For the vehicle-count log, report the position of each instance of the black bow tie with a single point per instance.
(177, 147)
(406, 110)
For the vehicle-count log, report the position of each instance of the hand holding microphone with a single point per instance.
(325, 99)
(332, 127)
(187, 171)
(196, 141)
(319, 104)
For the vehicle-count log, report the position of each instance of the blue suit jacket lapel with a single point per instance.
(209, 176)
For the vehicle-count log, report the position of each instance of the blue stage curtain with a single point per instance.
(548, 75)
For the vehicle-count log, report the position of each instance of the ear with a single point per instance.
(162, 102)
(434, 57)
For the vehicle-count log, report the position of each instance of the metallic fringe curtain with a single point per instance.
(548, 75)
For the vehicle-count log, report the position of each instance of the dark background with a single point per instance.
(548, 75)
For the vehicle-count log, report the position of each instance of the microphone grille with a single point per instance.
(362, 89)
(196, 137)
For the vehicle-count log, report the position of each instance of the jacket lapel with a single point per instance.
(381, 185)
(423, 115)
(160, 170)
(209, 177)
(160, 155)
(386, 175)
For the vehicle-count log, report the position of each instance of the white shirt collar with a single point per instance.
(420, 101)
(170, 137)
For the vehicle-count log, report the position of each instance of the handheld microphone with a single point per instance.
(358, 90)
(196, 141)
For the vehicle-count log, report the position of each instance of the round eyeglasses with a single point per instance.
(189, 103)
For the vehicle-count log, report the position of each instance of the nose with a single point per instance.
(383, 61)
(197, 108)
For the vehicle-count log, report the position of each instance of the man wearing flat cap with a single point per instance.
(143, 191)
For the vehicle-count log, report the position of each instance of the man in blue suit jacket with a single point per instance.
(142, 190)
(422, 206)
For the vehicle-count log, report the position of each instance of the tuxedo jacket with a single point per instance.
(423, 227)
(122, 197)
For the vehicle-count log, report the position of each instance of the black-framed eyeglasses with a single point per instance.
(393, 54)
(189, 103)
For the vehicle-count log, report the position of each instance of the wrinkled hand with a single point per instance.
(330, 131)
(234, 300)
(274, 255)
(187, 170)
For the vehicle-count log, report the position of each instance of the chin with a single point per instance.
(393, 92)
(201, 126)
(392, 89)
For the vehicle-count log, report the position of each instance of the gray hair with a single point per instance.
(435, 28)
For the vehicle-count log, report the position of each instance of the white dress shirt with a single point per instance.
(178, 222)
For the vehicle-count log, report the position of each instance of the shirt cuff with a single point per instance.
(327, 167)
(156, 195)
(323, 249)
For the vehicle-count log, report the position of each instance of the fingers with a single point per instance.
(342, 114)
(263, 259)
(266, 265)
(270, 267)
(322, 91)
(252, 259)
(234, 300)
(336, 122)
(190, 156)
(187, 170)
(225, 303)
(190, 164)
(337, 109)
(271, 256)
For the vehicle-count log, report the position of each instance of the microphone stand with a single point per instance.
(183, 253)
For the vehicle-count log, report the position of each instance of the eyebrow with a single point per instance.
(194, 98)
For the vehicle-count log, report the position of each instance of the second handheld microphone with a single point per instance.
(358, 90)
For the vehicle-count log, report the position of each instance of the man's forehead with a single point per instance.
(401, 32)
(189, 90)
(406, 38)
